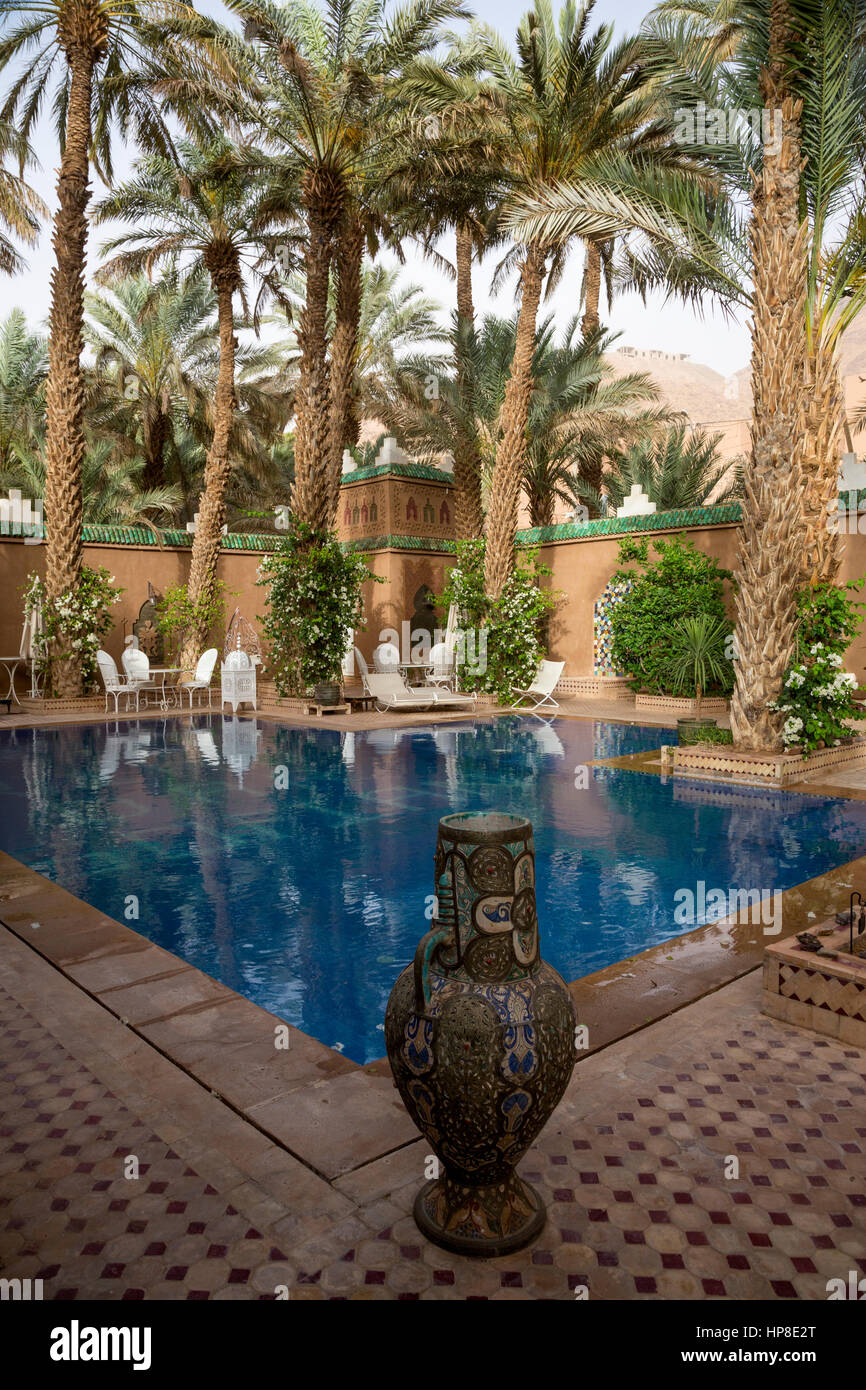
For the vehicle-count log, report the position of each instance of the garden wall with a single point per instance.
(581, 557)
(583, 565)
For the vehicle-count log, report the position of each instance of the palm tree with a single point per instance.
(449, 175)
(578, 411)
(207, 208)
(156, 362)
(151, 342)
(20, 207)
(23, 368)
(577, 407)
(112, 486)
(771, 535)
(333, 85)
(675, 469)
(832, 80)
(806, 62)
(580, 114)
(394, 319)
(117, 65)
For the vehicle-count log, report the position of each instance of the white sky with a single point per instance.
(672, 327)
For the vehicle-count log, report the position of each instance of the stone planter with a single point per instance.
(85, 704)
(823, 993)
(480, 1037)
(768, 769)
(687, 707)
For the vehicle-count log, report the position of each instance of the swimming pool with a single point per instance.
(296, 865)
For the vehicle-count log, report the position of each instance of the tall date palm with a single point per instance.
(332, 78)
(580, 114)
(110, 66)
(205, 209)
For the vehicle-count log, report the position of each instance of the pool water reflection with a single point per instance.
(296, 865)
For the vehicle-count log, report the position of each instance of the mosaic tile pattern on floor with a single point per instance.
(69, 1216)
(632, 1166)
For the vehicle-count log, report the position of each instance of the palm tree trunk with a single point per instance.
(825, 423)
(508, 470)
(154, 428)
(592, 474)
(311, 493)
(469, 513)
(207, 541)
(64, 390)
(772, 531)
(541, 507)
(589, 324)
(343, 424)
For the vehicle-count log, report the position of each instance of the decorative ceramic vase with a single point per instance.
(480, 1037)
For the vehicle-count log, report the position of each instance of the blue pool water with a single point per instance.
(295, 865)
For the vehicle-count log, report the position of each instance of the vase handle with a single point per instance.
(431, 940)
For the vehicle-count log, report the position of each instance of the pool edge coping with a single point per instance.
(614, 1003)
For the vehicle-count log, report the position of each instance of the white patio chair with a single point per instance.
(114, 686)
(391, 692)
(443, 665)
(202, 678)
(542, 687)
(136, 665)
(386, 659)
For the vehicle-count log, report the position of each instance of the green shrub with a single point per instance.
(177, 614)
(509, 632)
(314, 599)
(715, 736)
(649, 637)
(75, 624)
(817, 694)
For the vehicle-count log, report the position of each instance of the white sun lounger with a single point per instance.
(543, 685)
(391, 692)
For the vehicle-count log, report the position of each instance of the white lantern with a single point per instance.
(238, 680)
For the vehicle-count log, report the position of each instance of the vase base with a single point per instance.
(480, 1221)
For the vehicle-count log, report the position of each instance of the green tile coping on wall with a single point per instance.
(401, 543)
(726, 514)
(399, 470)
(249, 541)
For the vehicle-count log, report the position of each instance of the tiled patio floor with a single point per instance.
(633, 1166)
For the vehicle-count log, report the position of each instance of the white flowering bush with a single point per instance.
(515, 623)
(817, 696)
(76, 623)
(314, 595)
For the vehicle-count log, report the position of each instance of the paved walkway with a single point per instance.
(633, 1166)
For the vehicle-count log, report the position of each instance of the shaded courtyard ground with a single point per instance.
(633, 1166)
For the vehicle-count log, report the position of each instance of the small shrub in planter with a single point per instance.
(691, 731)
(715, 735)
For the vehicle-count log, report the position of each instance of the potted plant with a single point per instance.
(697, 660)
(314, 597)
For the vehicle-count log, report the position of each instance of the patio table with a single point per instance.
(167, 697)
(11, 664)
(408, 667)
